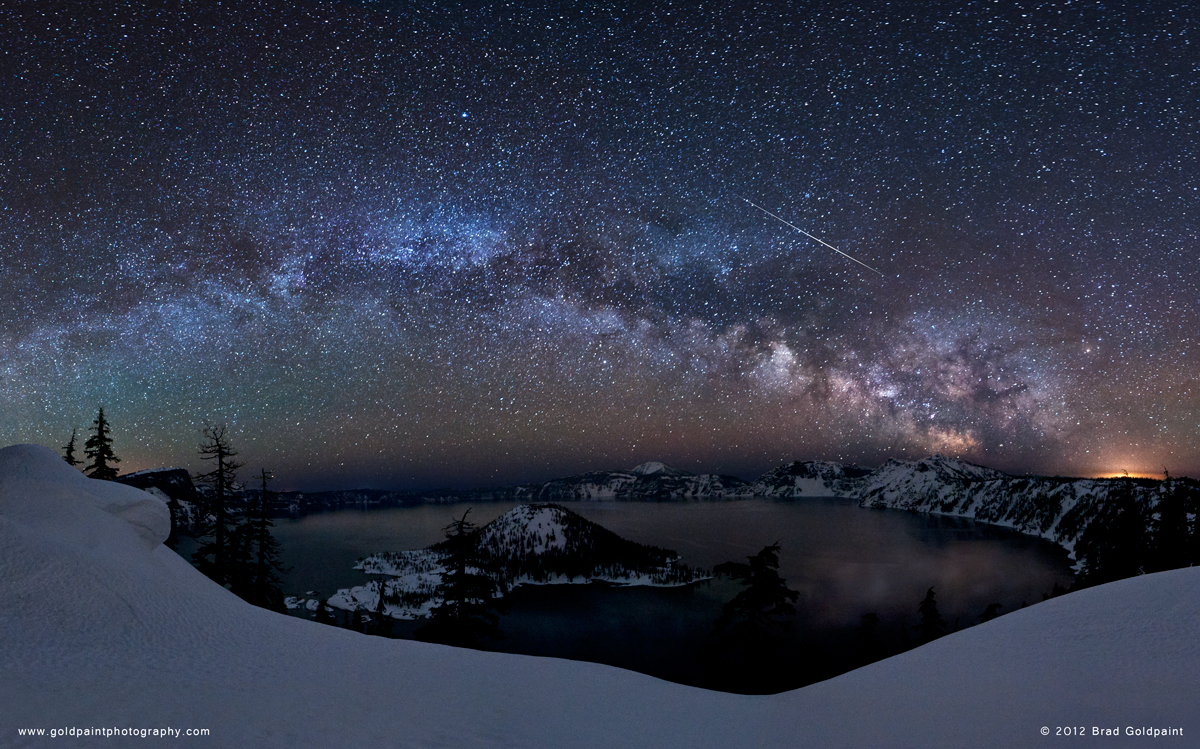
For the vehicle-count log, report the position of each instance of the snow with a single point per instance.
(528, 530)
(1056, 509)
(23, 467)
(157, 493)
(809, 479)
(535, 524)
(152, 471)
(652, 467)
(295, 602)
(101, 625)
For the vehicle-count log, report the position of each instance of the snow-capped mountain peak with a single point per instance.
(654, 467)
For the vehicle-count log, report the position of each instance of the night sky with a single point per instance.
(411, 245)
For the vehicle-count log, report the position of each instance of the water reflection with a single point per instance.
(844, 560)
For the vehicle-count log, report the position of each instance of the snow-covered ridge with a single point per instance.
(539, 544)
(646, 481)
(174, 482)
(99, 627)
(652, 480)
(152, 472)
(653, 467)
(1055, 508)
(35, 471)
(174, 487)
(814, 478)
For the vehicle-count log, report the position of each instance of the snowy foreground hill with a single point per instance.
(102, 627)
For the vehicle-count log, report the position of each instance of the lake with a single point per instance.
(844, 560)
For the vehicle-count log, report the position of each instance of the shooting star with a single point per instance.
(797, 228)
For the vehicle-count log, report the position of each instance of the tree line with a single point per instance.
(236, 549)
(1132, 534)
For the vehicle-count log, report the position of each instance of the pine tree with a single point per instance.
(467, 612)
(381, 622)
(256, 579)
(1191, 492)
(867, 639)
(1171, 537)
(755, 617)
(1115, 544)
(69, 450)
(991, 612)
(98, 448)
(219, 557)
(932, 625)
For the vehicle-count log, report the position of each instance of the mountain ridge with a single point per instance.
(1056, 508)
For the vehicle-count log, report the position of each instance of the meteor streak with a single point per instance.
(797, 228)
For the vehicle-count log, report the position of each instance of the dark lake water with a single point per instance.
(845, 561)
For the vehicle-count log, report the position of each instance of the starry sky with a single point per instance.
(410, 245)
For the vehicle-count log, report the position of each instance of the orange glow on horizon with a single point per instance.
(1122, 474)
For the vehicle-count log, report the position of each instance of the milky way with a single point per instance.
(409, 245)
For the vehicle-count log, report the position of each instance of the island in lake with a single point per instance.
(539, 544)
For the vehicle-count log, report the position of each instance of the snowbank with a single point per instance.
(100, 628)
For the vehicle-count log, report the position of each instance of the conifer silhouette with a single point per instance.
(69, 450)
(1171, 531)
(1115, 544)
(756, 615)
(932, 626)
(218, 557)
(467, 613)
(256, 576)
(991, 612)
(98, 449)
(867, 639)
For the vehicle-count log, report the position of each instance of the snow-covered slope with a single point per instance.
(646, 481)
(102, 627)
(174, 486)
(547, 542)
(1055, 508)
(904, 478)
(652, 467)
(654, 481)
(813, 478)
